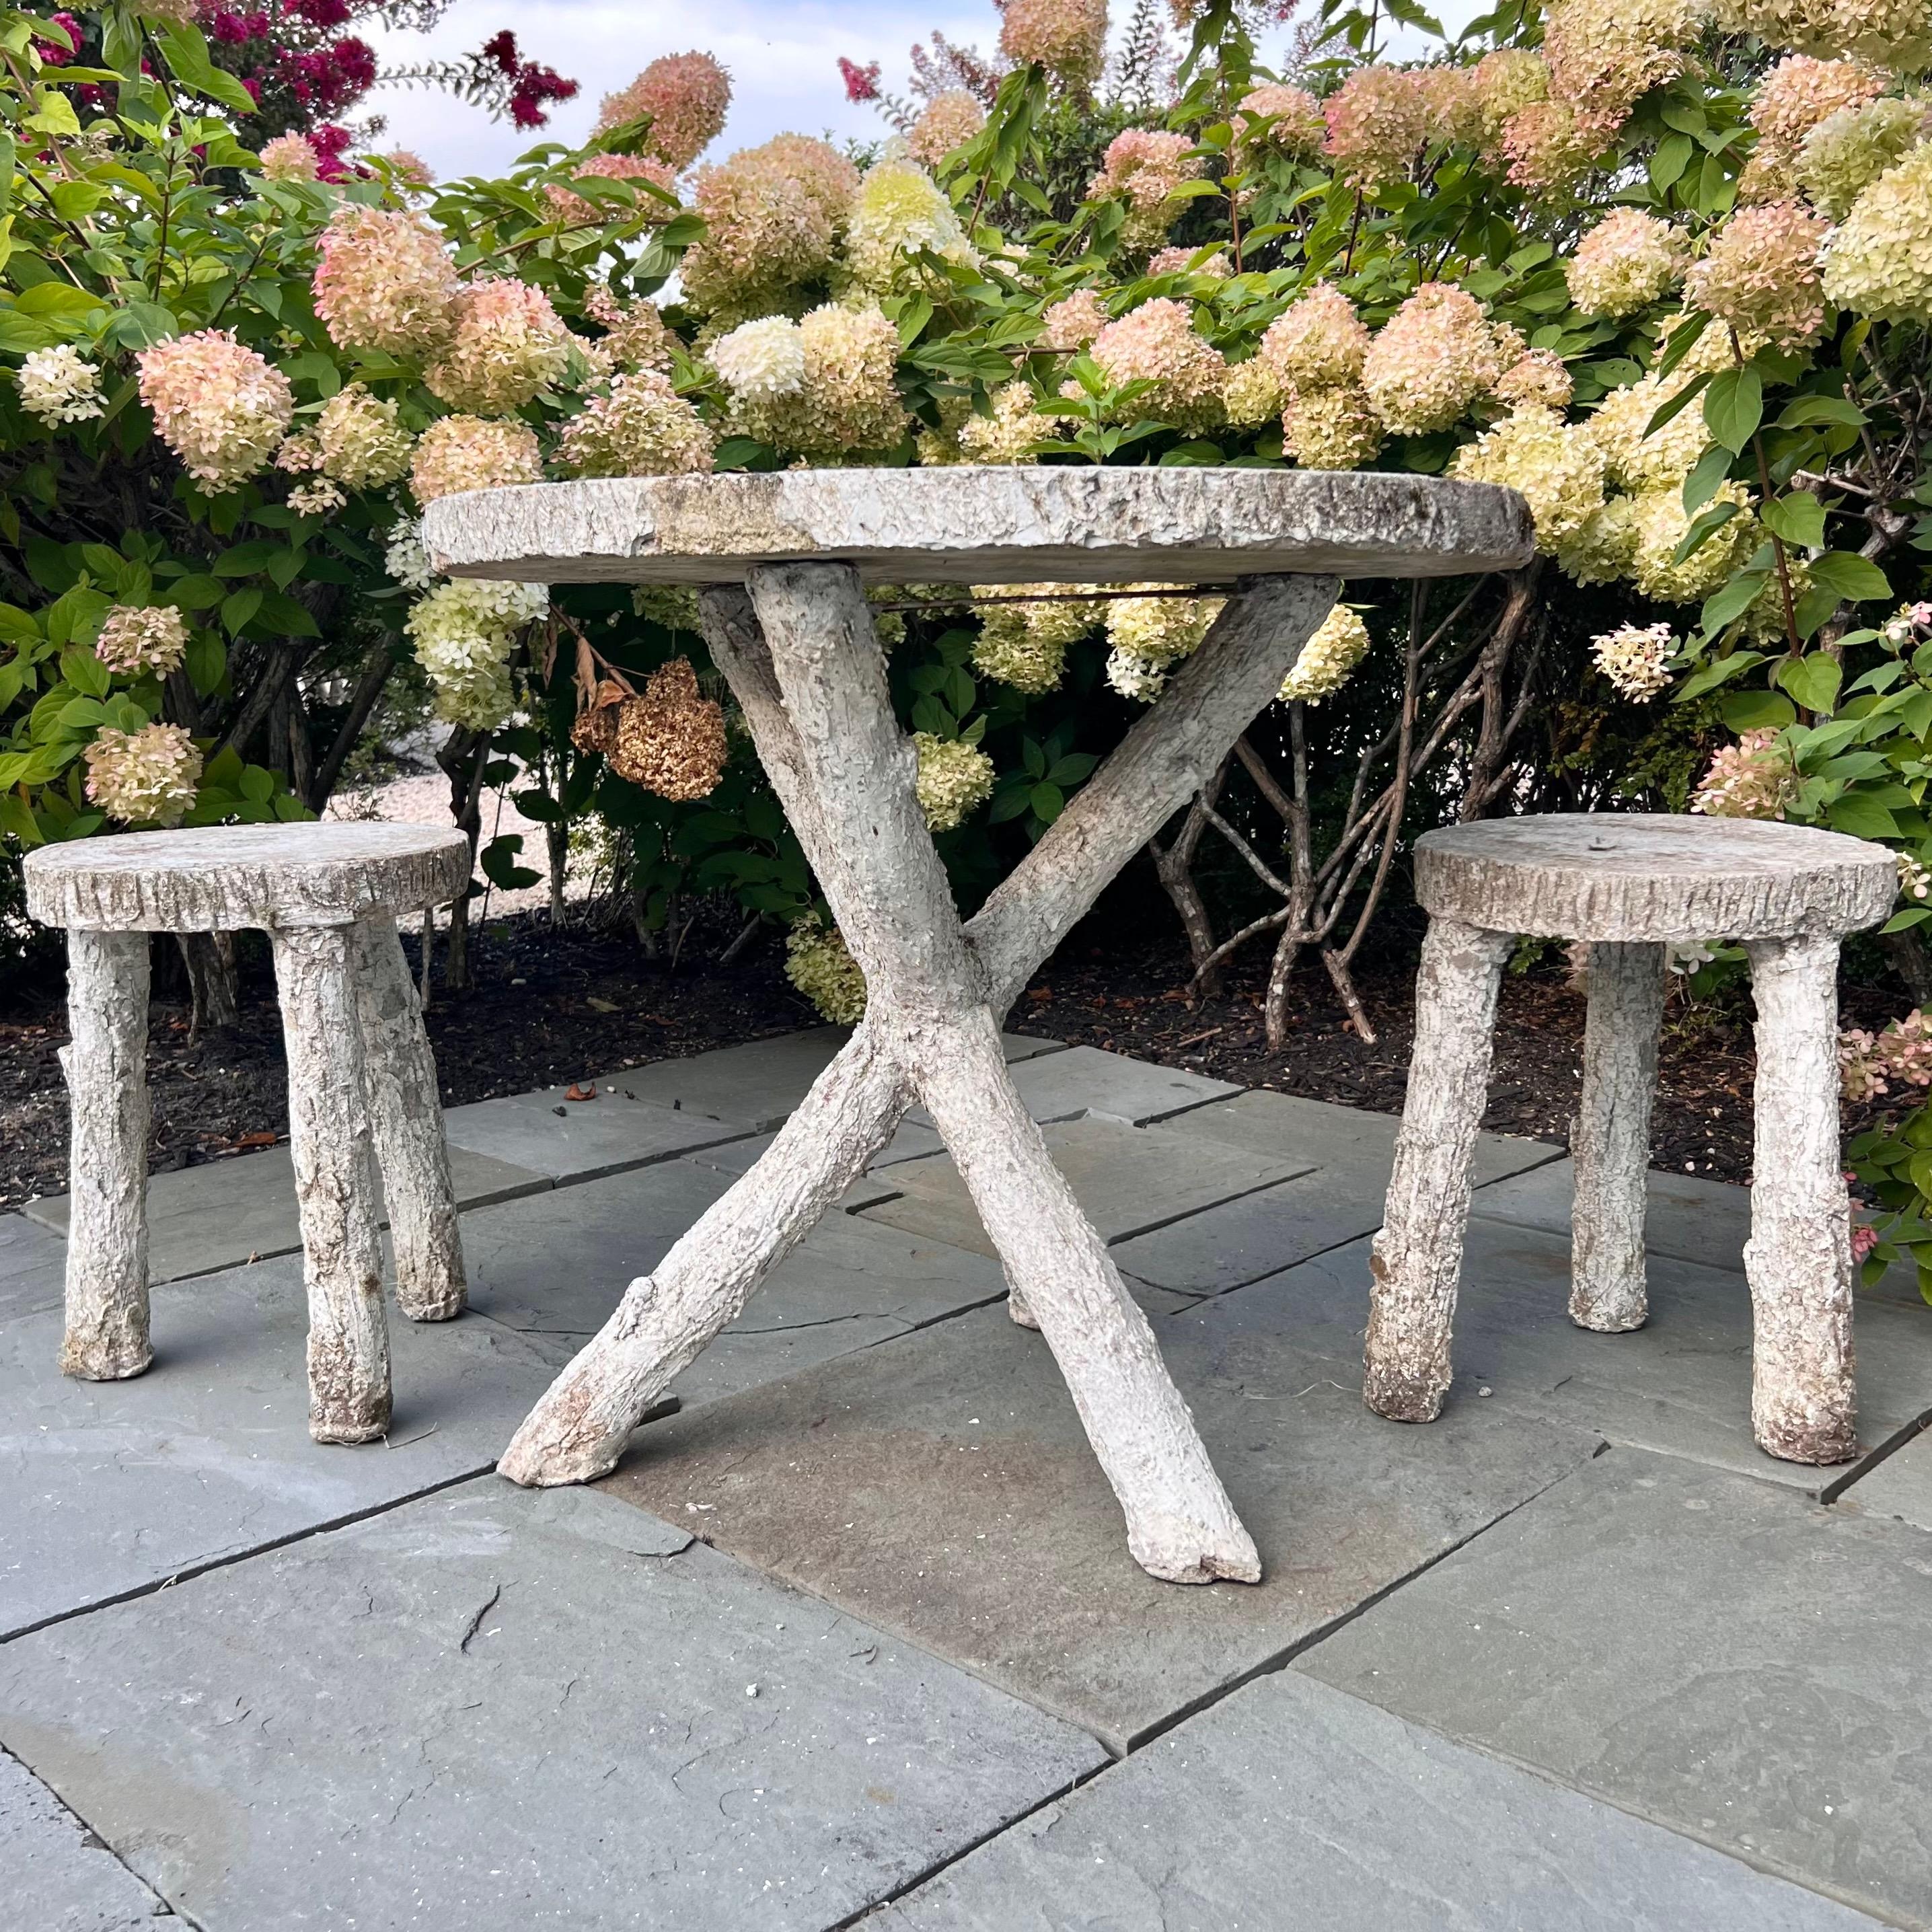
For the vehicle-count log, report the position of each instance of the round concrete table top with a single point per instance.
(1014, 523)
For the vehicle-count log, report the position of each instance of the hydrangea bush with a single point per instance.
(1665, 266)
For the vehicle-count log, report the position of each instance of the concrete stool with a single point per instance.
(1626, 886)
(358, 1062)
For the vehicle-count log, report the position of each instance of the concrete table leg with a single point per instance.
(329, 1127)
(1799, 1259)
(106, 1069)
(406, 1112)
(1417, 1259)
(1610, 1142)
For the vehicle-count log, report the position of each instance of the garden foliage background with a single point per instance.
(1664, 266)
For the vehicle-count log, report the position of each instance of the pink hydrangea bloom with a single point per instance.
(468, 453)
(1626, 263)
(1762, 274)
(686, 96)
(1604, 55)
(508, 343)
(1318, 341)
(1377, 121)
(772, 214)
(384, 281)
(1074, 322)
(138, 637)
(147, 777)
(1546, 146)
(1431, 360)
(1799, 92)
(1753, 779)
(950, 120)
(1157, 343)
(642, 427)
(221, 408)
(1293, 117)
(1145, 165)
(1067, 38)
(291, 157)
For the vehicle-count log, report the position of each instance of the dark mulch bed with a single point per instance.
(546, 1008)
(553, 1007)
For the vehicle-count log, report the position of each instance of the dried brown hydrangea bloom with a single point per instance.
(669, 740)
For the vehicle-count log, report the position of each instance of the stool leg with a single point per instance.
(1417, 1256)
(1798, 1259)
(1610, 1143)
(328, 1126)
(406, 1114)
(106, 1069)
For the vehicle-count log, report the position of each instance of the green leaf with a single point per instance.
(1854, 578)
(1048, 802)
(1862, 818)
(1719, 670)
(1757, 711)
(1702, 484)
(1808, 411)
(1733, 601)
(1797, 518)
(239, 606)
(206, 662)
(1812, 681)
(1734, 405)
(1704, 525)
(86, 672)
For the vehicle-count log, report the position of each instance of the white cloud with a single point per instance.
(782, 60)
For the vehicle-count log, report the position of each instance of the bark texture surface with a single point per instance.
(1609, 1140)
(221, 878)
(580, 1428)
(1799, 1259)
(406, 1115)
(106, 1062)
(1652, 876)
(844, 771)
(331, 1141)
(1013, 523)
(1417, 1259)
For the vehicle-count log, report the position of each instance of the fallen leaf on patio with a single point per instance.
(256, 1140)
(574, 1092)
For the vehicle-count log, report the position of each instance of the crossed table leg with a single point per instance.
(804, 662)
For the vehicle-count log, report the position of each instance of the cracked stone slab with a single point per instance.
(1084, 1080)
(566, 1140)
(553, 1268)
(1288, 1790)
(1899, 1486)
(940, 1486)
(1686, 1218)
(59, 1876)
(516, 1710)
(1246, 1239)
(1126, 1179)
(112, 1487)
(1712, 1653)
(1681, 1385)
(226, 1212)
(33, 1267)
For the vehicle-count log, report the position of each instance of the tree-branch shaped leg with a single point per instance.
(578, 1430)
(1417, 1259)
(895, 910)
(405, 1113)
(1610, 1142)
(1798, 1259)
(106, 1066)
(330, 1139)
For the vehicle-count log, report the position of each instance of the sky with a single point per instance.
(781, 55)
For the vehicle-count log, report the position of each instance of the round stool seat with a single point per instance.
(1661, 876)
(217, 878)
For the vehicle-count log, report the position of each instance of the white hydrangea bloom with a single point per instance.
(1327, 660)
(59, 385)
(405, 559)
(762, 358)
(1635, 658)
(463, 631)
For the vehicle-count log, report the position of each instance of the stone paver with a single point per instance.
(1080, 1080)
(110, 1487)
(1127, 1179)
(1713, 1653)
(58, 1876)
(33, 1266)
(1900, 1486)
(1245, 1239)
(581, 1140)
(1681, 1384)
(737, 1157)
(202, 1218)
(553, 1268)
(493, 1708)
(940, 1486)
(1685, 1218)
(1289, 1791)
